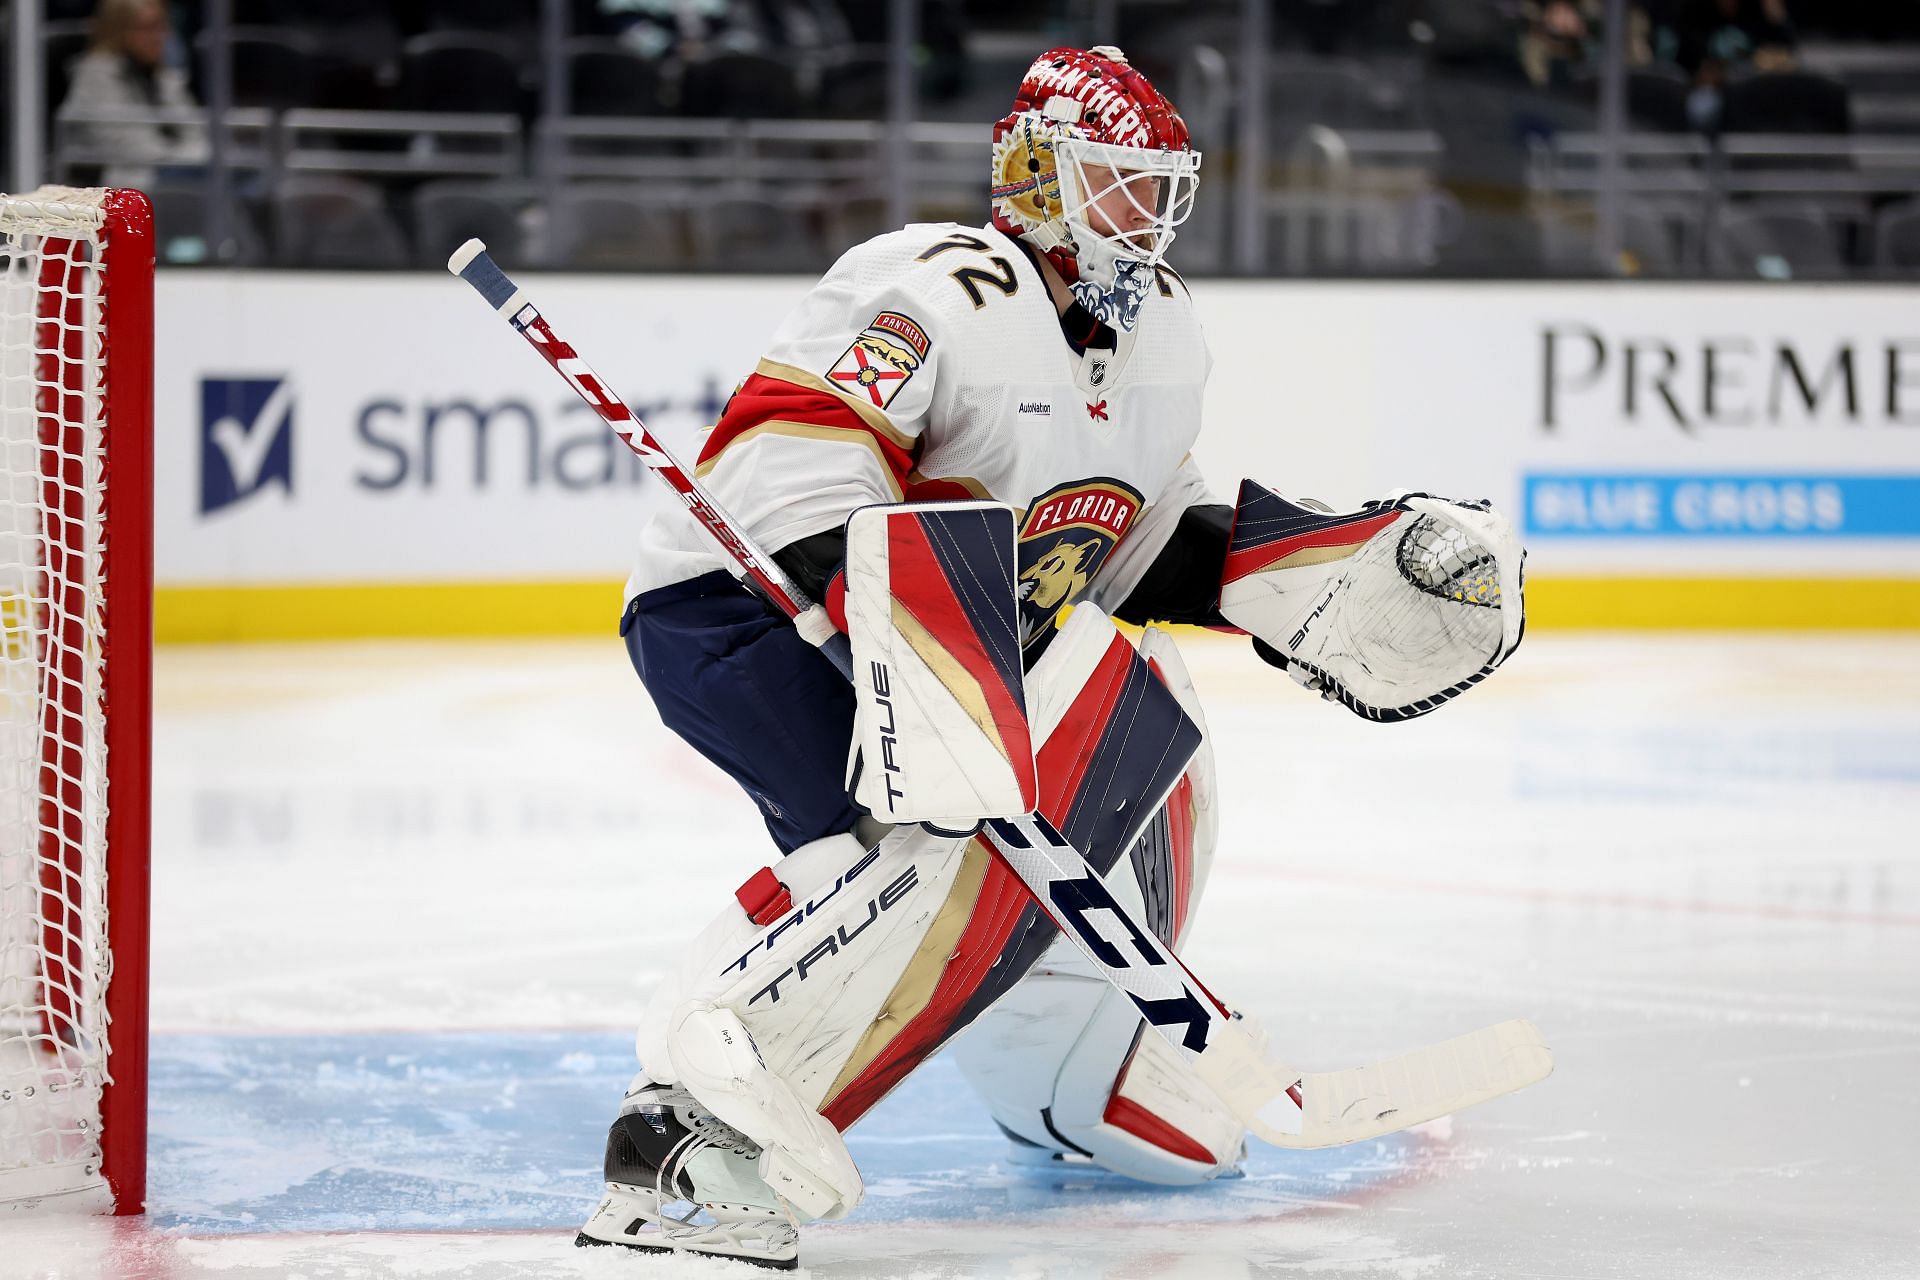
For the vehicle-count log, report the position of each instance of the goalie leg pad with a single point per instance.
(1066, 1067)
(873, 958)
(1061, 1061)
(803, 1158)
(1114, 743)
(824, 981)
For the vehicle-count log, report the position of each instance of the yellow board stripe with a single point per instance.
(199, 615)
(1775, 604)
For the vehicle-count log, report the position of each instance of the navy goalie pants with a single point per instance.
(733, 678)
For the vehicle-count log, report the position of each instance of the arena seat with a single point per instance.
(740, 86)
(1896, 239)
(335, 222)
(1786, 102)
(272, 68)
(1761, 238)
(618, 225)
(447, 214)
(611, 80)
(461, 71)
(745, 234)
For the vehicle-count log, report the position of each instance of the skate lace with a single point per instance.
(666, 1178)
(705, 1132)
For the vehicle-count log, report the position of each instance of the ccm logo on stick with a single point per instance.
(830, 945)
(1075, 901)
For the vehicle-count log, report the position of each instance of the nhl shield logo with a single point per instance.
(1096, 373)
(1066, 536)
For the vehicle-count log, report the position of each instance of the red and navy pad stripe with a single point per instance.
(953, 571)
(1267, 529)
(1123, 745)
(1114, 756)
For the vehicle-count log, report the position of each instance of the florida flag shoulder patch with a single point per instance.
(882, 360)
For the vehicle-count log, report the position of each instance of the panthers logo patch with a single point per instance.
(883, 357)
(1067, 535)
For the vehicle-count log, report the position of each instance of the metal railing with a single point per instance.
(753, 152)
(84, 145)
(1748, 164)
(1694, 184)
(1359, 200)
(399, 143)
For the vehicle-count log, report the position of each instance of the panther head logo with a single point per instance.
(1060, 575)
(892, 352)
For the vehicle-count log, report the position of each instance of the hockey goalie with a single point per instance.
(972, 445)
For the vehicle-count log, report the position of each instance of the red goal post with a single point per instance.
(76, 590)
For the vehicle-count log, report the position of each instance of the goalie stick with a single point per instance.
(1283, 1107)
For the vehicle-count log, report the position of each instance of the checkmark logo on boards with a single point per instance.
(246, 444)
(246, 438)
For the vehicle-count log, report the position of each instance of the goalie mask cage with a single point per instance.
(76, 570)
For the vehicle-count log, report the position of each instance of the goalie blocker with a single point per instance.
(940, 732)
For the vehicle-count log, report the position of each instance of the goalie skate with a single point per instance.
(681, 1181)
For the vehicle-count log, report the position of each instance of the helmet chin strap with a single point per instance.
(1065, 263)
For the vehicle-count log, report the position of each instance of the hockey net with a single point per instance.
(76, 286)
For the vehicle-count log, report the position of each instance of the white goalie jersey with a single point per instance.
(930, 363)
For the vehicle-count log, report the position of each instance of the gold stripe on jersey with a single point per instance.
(1160, 273)
(879, 421)
(806, 431)
(972, 486)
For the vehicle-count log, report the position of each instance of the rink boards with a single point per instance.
(348, 455)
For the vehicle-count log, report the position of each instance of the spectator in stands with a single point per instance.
(676, 28)
(124, 73)
(1564, 42)
(1712, 36)
(689, 29)
(1709, 38)
(1558, 47)
(941, 55)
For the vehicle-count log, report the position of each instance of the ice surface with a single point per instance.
(408, 899)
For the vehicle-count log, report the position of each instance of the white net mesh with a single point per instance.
(1442, 559)
(54, 957)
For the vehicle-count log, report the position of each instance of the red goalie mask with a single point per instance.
(1093, 165)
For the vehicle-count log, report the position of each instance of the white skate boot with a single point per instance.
(679, 1180)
